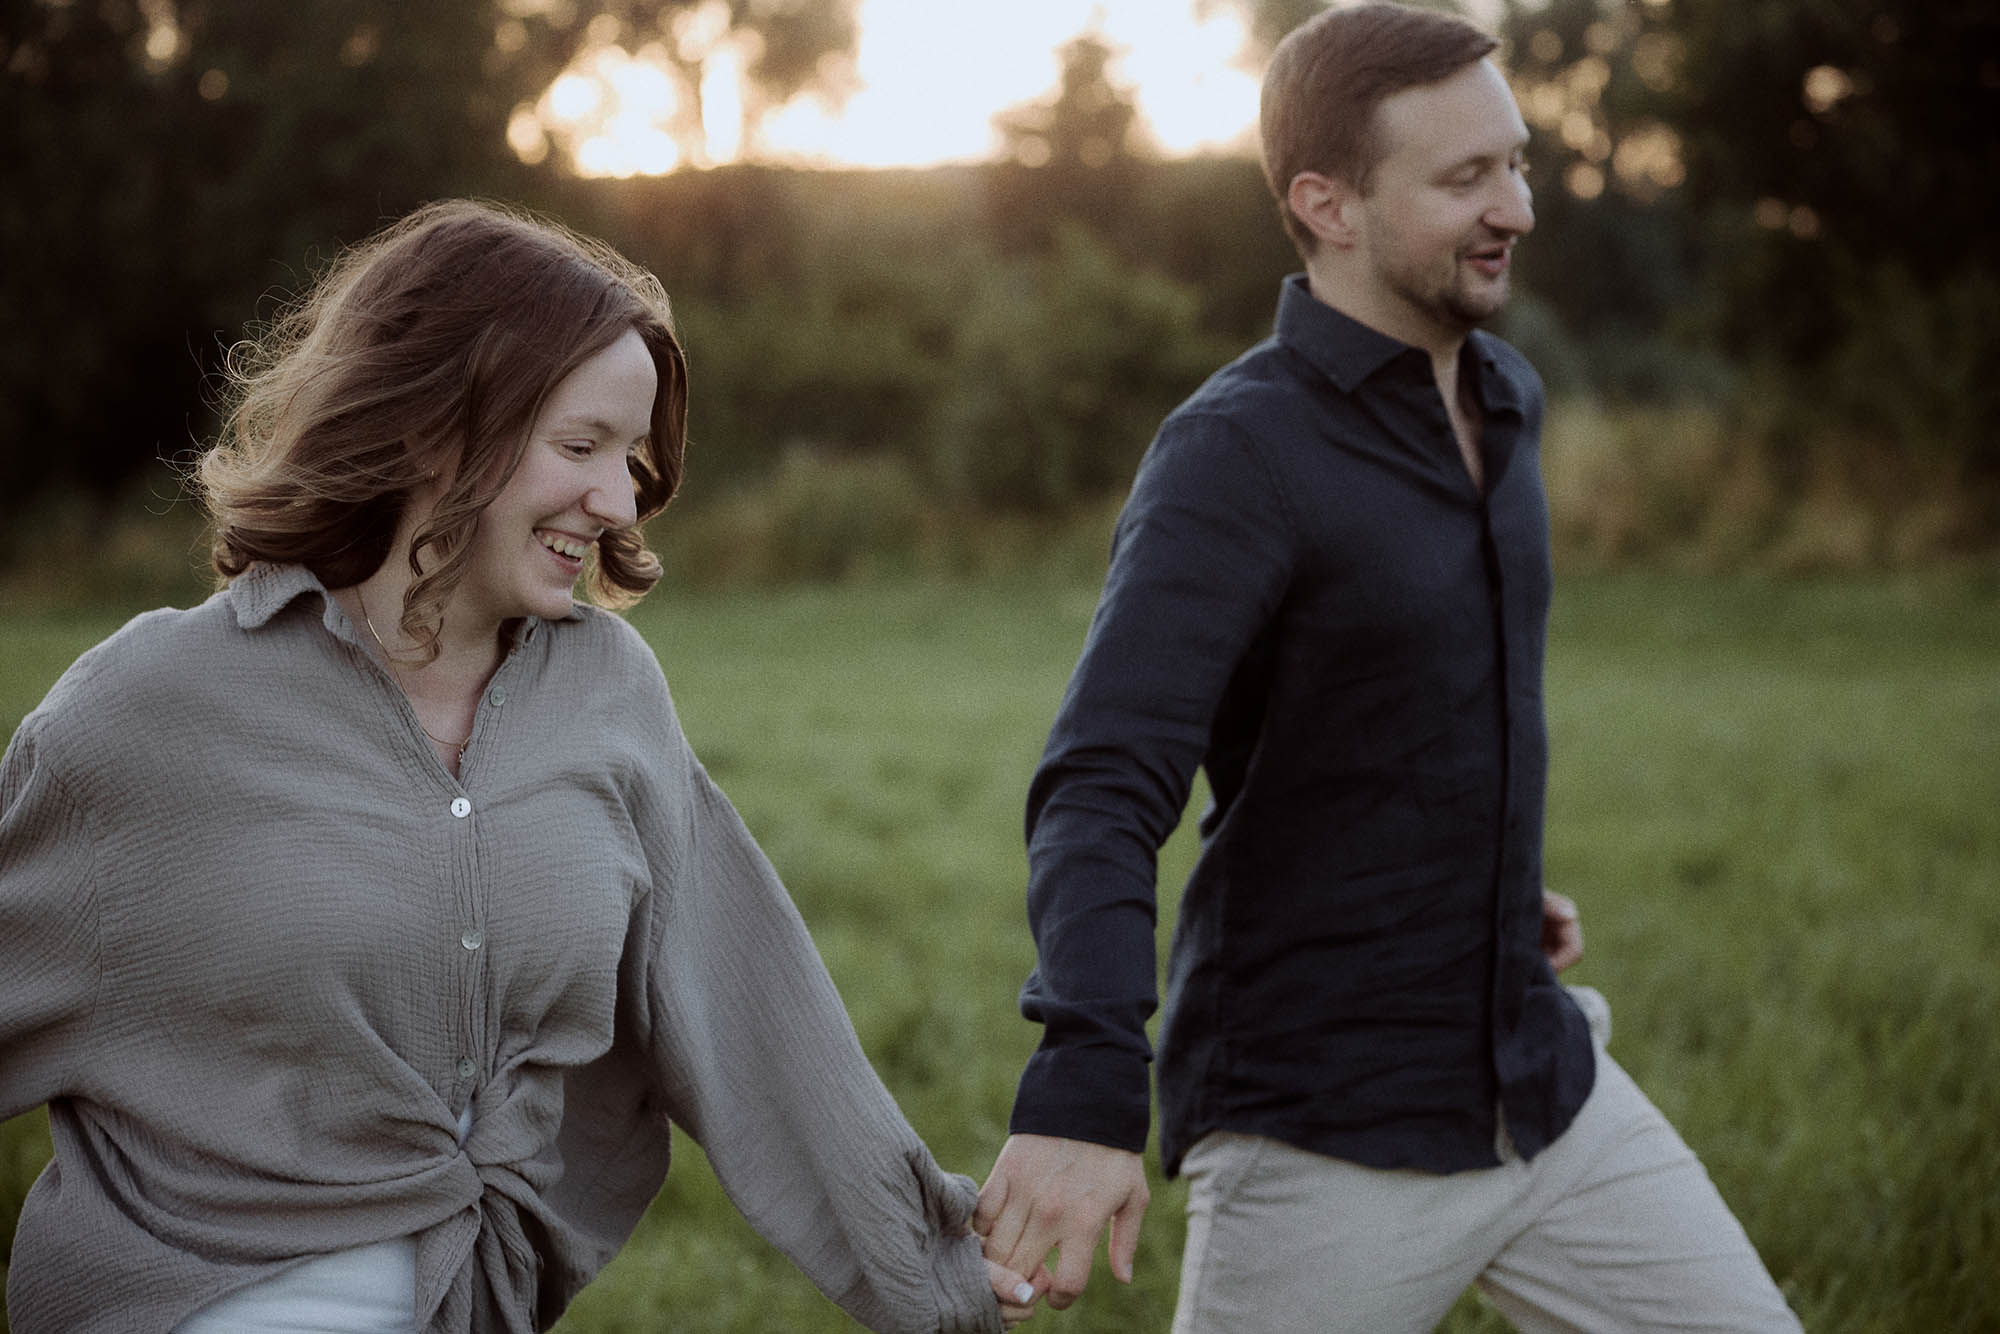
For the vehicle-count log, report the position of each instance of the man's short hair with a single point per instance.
(1328, 76)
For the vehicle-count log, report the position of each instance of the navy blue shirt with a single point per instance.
(1310, 599)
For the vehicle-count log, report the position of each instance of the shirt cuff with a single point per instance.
(966, 1304)
(1098, 1094)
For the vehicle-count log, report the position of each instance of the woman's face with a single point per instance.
(574, 483)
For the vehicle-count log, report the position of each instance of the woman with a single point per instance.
(364, 927)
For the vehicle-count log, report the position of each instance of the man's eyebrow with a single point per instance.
(1500, 153)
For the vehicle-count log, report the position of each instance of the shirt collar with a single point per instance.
(1347, 351)
(262, 591)
(1335, 344)
(1498, 391)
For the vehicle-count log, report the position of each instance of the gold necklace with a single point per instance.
(388, 656)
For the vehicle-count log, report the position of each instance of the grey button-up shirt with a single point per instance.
(259, 950)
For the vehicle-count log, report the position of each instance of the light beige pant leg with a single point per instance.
(1615, 1227)
(1282, 1241)
(1625, 1231)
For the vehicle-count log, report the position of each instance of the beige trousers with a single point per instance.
(1614, 1227)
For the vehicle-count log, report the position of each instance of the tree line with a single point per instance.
(1777, 205)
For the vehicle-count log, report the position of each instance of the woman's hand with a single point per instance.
(1017, 1295)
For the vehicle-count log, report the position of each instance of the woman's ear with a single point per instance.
(1326, 206)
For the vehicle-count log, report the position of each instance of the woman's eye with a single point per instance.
(578, 449)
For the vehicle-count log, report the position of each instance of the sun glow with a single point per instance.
(925, 82)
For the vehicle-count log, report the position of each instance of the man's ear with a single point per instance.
(1326, 206)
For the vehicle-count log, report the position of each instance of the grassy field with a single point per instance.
(1778, 802)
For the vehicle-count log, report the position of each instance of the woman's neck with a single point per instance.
(443, 690)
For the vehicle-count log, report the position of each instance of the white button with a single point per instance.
(498, 696)
(467, 1068)
(460, 807)
(471, 939)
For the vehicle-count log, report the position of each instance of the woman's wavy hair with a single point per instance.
(423, 355)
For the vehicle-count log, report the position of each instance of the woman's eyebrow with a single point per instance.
(586, 422)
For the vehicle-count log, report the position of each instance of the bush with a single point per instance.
(818, 517)
(142, 547)
(836, 518)
(1028, 383)
(1063, 368)
(1734, 483)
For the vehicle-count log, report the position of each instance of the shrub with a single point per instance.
(1063, 367)
(818, 517)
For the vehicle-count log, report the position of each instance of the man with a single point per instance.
(1329, 589)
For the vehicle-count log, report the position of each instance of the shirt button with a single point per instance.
(467, 1068)
(498, 695)
(460, 807)
(471, 939)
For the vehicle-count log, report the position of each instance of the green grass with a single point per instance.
(1777, 801)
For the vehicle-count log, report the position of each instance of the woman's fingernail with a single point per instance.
(1024, 1293)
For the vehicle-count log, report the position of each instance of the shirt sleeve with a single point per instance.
(761, 1066)
(48, 928)
(1199, 564)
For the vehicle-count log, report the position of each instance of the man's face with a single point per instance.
(1447, 201)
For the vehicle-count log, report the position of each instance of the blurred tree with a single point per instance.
(1210, 223)
(774, 49)
(867, 312)
(1609, 278)
(1065, 363)
(1269, 20)
(168, 164)
(1067, 158)
(161, 156)
(1845, 158)
(1086, 125)
(1836, 163)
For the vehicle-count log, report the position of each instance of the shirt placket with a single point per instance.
(1511, 899)
(464, 936)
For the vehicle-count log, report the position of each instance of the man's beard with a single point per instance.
(1454, 304)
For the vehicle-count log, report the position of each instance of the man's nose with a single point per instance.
(1513, 212)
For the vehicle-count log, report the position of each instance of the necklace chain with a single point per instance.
(368, 621)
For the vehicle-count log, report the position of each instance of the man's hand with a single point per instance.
(1045, 1193)
(1562, 932)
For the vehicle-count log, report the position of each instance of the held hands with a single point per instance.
(1046, 1193)
(1562, 932)
(1015, 1294)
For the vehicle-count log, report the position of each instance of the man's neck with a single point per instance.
(1366, 305)
(1386, 314)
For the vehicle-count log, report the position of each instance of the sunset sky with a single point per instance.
(928, 78)
(934, 74)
